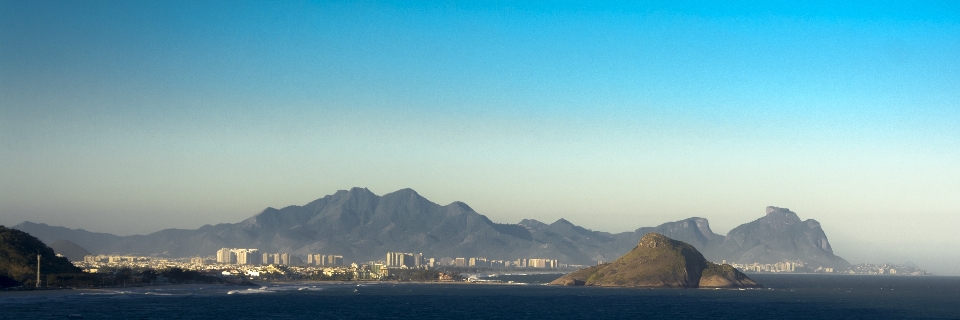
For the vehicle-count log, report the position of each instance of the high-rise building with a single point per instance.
(522, 263)
(478, 262)
(325, 260)
(92, 258)
(540, 263)
(247, 256)
(402, 259)
(333, 260)
(226, 255)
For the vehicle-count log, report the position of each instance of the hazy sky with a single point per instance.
(133, 116)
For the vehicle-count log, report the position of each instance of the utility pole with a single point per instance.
(38, 269)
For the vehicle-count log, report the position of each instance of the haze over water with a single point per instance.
(131, 117)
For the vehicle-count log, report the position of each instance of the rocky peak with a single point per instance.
(661, 262)
(704, 226)
(653, 240)
(781, 214)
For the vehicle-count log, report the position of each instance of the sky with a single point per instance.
(129, 117)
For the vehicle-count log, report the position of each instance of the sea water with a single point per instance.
(786, 297)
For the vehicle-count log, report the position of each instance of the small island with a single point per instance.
(659, 262)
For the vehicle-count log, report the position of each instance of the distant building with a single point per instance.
(537, 263)
(277, 258)
(226, 256)
(247, 256)
(402, 259)
(380, 270)
(94, 259)
(329, 260)
(478, 262)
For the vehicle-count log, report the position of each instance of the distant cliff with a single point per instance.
(363, 226)
(780, 236)
(660, 262)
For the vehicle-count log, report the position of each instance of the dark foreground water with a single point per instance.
(788, 296)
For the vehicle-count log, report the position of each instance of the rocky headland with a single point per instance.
(659, 262)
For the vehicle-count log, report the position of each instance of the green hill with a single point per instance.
(18, 259)
(658, 261)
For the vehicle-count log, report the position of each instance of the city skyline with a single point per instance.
(130, 118)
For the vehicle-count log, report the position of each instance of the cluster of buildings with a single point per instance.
(252, 257)
(887, 269)
(416, 260)
(114, 259)
(96, 263)
(537, 263)
(519, 263)
(797, 267)
(324, 260)
(251, 263)
(401, 260)
(407, 260)
(779, 267)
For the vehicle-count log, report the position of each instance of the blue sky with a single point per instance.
(133, 116)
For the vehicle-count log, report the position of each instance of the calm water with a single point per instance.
(788, 296)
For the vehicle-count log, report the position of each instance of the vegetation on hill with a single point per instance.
(658, 261)
(18, 259)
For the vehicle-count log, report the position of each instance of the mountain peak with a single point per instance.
(532, 223)
(404, 193)
(653, 240)
(359, 189)
(781, 235)
(776, 212)
(461, 205)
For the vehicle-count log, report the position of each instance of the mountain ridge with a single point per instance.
(363, 226)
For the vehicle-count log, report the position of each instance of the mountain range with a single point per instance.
(363, 226)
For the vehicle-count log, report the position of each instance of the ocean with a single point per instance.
(787, 296)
